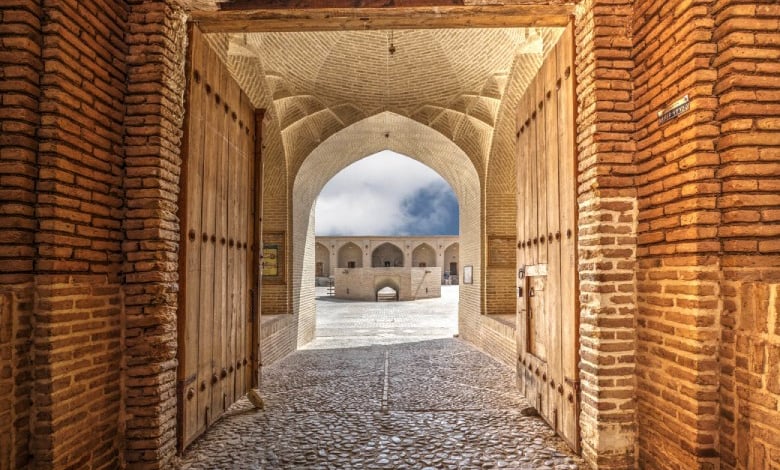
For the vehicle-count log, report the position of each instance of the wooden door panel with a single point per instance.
(217, 210)
(551, 241)
(547, 319)
(568, 247)
(191, 225)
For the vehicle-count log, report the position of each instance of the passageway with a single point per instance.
(384, 386)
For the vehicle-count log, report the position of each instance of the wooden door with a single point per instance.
(547, 323)
(218, 252)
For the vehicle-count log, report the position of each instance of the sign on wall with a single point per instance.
(273, 258)
(270, 260)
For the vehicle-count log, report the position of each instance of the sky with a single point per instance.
(386, 194)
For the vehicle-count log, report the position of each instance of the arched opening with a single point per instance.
(386, 294)
(424, 256)
(350, 256)
(450, 264)
(387, 255)
(321, 261)
(407, 137)
(386, 289)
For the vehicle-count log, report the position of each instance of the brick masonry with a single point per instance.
(679, 275)
(20, 73)
(79, 209)
(677, 272)
(607, 220)
(747, 88)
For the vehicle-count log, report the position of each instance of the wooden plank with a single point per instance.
(359, 19)
(228, 258)
(257, 184)
(568, 203)
(238, 236)
(553, 223)
(251, 220)
(237, 143)
(541, 172)
(241, 144)
(249, 155)
(533, 221)
(520, 321)
(301, 4)
(211, 147)
(190, 215)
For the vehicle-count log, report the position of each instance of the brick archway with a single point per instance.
(380, 132)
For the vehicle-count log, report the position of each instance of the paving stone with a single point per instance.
(448, 405)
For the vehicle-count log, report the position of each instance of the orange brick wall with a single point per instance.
(20, 70)
(677, 272)
(79, 208)
(708, 225)
(747, 88)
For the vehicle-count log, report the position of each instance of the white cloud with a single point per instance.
(367, 197)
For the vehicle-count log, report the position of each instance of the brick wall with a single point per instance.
(747, 88)
(677, 273)
(20, 70)
(275, 299)
(79, 208)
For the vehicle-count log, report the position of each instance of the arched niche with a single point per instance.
(424, 255)
(350, 256)
(321, 261)
(451, 259)
(387, 255)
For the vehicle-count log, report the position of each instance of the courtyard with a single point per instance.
(384, 385)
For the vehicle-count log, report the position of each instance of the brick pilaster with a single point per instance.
(156, 37)
(607, 232)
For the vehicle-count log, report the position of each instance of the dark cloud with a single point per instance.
(431, 210)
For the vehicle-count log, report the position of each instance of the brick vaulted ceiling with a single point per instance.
(452, 80)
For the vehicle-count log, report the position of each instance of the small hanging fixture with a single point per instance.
(391, 49)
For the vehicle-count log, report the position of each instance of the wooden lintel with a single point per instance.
(360, 19)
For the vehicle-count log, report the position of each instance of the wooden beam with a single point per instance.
(300, 4)
(361, 19)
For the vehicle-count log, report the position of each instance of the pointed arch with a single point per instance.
(401, 135)
(387, 255)
(350, 256)
(424, 255)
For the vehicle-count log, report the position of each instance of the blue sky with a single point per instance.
(387, 194)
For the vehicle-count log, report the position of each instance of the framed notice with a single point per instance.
(468, 275)
(270, 260)
(273, 258)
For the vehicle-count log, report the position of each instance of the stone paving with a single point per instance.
(384, 386)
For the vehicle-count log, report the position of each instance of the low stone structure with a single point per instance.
(408, 283)
(414, 267)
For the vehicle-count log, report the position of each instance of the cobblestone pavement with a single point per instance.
(388, 389)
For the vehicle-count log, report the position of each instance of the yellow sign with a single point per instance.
(271, 260)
